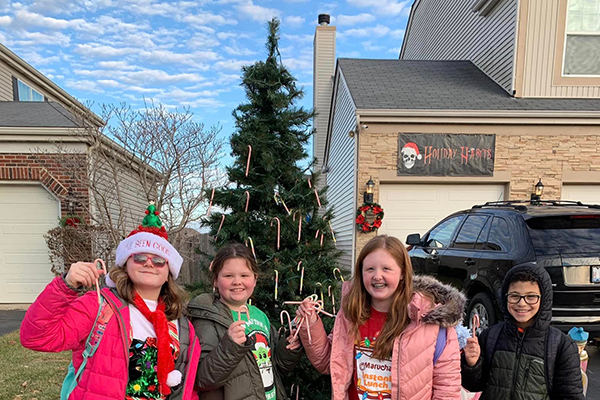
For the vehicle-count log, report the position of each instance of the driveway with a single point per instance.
(10, 320)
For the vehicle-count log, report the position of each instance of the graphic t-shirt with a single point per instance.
(372, 377)
(143, 355)
(258, 329)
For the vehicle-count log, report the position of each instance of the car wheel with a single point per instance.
(481, 304)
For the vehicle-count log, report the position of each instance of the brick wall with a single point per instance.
(57, 172)
(526, 157)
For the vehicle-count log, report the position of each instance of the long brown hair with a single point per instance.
(357, 302)
(229, 251)
(172, 294)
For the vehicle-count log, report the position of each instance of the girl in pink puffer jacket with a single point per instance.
(149, 350)
(383, 343)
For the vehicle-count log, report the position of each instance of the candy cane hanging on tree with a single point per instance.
(248, 162)
(212, 195)
(299, 223)
(247, 200)
(278, 230)
(220, 226)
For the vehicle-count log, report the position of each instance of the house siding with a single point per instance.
(447, 30)
(6, 84)
(541, 51)
(341, 177)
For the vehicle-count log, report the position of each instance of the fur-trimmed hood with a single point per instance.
(445, 310)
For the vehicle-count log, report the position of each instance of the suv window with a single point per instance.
(499, 239)
(565, 233)
(483, 236)
(469, 232)
(440, 235)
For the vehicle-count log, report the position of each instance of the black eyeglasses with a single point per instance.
(156, 260)
(529, 298)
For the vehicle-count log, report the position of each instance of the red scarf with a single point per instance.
(163, 339)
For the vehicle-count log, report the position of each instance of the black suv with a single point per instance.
(474, 249)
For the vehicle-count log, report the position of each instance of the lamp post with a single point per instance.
(536, 196)
(368, 195)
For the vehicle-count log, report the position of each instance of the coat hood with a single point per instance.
(447, 307)
(544, 315)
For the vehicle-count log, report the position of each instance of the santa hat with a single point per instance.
(150, 237)
(411, 145)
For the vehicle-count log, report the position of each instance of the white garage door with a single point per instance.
(589, 194)
(27, 212)
(415, 208)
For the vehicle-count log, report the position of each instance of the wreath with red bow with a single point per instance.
(361, 217)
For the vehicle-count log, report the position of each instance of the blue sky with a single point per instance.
(186, 53)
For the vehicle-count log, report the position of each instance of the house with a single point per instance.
(487, 98)
(44, 159)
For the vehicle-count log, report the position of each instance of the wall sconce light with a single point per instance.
(71, 201)
(368, 195)
(536, 196)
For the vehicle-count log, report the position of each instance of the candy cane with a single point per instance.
(322, 235)
(333, 301)
(309, 184)
(252, 247)
(320, 286)
(247, 200)
(220, 226)
(317, 234)
(103, 268)
(332, 232)
(212, 195)
(301, 279)
(243, 309)
(298, 266)
(248, 162)
(278, 230)
(339, 272)
(281, 314)
(299, 223)
(317, 195)
(210, 266)
(276, 282)
(476, 324)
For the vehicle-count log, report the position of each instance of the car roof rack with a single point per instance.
(521, 205)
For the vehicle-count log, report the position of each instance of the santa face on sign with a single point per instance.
(410, 153)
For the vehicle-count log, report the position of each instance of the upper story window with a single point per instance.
(582, 44)
(24, 92)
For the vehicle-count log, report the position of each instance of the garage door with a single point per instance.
(589, 194)
(414, 208)
(26, 213)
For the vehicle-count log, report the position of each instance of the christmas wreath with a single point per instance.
(361, 217)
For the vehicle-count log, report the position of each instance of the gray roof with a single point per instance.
(47, 114)
(438, 85)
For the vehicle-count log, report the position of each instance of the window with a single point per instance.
(499, 238)
(469, 232)
(24, 92)
(440, 235)
(483, 236)
(582, 43)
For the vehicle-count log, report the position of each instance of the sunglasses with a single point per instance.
(156, 260)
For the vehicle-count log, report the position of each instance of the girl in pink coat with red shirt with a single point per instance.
(149, 350)
(384, 340)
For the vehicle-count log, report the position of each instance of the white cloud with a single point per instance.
(207, 18)
(5, 20)
(169, 57)
(115, 65)
(382, 7)
(37, 59)
(374, 31)
(305, 39)
(101, 51)
(38, 38)
(369, 46)
(202, 40)
(231, 65)
(293, 21)
(354, 19)
(237, 51)
(256, 13)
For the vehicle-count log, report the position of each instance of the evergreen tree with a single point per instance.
(272, 133)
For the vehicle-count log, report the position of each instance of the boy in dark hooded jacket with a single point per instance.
(523, 357)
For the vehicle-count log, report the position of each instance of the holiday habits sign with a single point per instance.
(446, 154)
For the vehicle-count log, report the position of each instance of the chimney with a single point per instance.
(323, 71)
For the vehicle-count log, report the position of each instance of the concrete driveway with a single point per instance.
(10, 320)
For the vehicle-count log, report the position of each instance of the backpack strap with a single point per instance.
(440, 344)
(490, 344)
(553, 340)
(105, 312)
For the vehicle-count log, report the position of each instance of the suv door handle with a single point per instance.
(470, 261)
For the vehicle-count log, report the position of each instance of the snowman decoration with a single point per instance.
(410, 153)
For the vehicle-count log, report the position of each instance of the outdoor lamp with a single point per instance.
(539, 190)
(368, 195)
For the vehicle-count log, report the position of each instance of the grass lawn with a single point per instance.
(29, 375)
